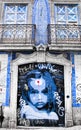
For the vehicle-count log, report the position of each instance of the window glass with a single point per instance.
(66, 13)
(72, 13)
(61, 9)
(15, 14)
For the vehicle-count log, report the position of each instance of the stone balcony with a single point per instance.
(23, 37)
(64, 37)
(17, 36)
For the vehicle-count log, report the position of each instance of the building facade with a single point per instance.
(40, 63)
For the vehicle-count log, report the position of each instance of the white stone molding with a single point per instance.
(41, 57)
(3, 77)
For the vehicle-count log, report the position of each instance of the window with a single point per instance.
(67, 15)
(14, 18)
(15, 14)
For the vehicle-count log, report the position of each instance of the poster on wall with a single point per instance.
(40, 97)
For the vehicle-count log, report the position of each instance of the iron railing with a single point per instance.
(17, 33)
(58, 33)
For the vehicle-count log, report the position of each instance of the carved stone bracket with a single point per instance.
(41, 47)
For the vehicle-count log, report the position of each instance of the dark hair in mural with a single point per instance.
(40, 89)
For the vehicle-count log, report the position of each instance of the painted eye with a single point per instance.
(33, 91)
(45, 91)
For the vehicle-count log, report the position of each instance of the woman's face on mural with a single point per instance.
(38, 92)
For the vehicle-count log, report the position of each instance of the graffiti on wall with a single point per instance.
(40, 98)
(77, 67)
(78, 92)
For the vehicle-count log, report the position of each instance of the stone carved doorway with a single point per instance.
(37, 60)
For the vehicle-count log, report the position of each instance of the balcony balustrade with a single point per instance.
(23, 36)
(59, 33)
(11, 34)
(64, 37)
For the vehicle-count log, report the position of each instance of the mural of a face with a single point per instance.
(40, 94)
(37, 91)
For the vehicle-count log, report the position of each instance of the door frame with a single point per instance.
(41, 57)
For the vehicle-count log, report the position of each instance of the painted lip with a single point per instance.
(39, 104)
